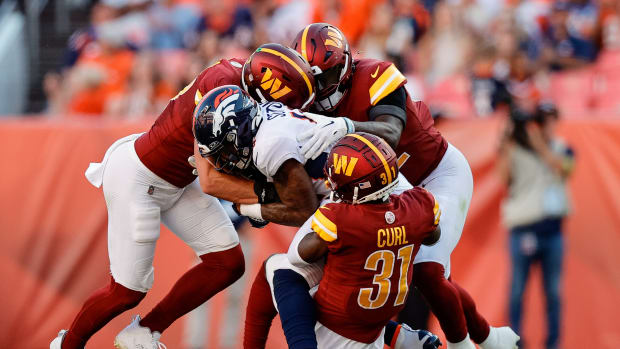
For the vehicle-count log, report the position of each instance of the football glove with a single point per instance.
(327, 131)
(254, 222)
(265, 191)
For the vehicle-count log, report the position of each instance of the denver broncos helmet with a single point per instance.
(360, 168)
(277, 73)
(224, 124)
(328, 52)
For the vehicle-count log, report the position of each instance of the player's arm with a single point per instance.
(222, 185)
(312, 248)
(388, 117)
(297, 198)
(324, 234)
(428, 215)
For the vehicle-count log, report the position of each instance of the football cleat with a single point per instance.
(57, 342)
(135, 336)
(501, 338)
(408, 338)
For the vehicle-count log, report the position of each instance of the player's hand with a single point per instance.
(256, 223)
(266, 192)
(326, 132)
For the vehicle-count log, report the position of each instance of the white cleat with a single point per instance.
(135, 336)
(408, 338)
(57, 342)
(501, 338)
(464, 344)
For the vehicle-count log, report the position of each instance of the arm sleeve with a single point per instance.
(393, 104)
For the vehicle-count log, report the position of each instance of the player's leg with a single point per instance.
(201, 222)
(133, 229)
(487, 337)
(551, 253)
(451, 184)
(328, 339)
(259, 313)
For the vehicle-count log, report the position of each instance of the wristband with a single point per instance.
(350, 126)
(252, 211)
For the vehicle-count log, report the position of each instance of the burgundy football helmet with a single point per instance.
(328, 52)
(360, 168)
(277, 73)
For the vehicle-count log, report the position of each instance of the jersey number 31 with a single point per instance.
(382, 278)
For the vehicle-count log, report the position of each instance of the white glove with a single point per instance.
(326, 132)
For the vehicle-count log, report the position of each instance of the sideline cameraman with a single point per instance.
(535, 166)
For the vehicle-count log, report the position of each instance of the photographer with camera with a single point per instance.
(535, 165)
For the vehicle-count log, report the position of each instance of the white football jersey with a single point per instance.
(276, 139)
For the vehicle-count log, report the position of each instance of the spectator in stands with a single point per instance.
(521, 84)
(173, 24)
(489, 92)
(610, 24)
(446, 47)
(535, 165)
(570, 45)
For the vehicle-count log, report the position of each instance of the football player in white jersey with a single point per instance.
(239, 136)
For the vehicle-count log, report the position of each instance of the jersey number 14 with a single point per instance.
(382, 278)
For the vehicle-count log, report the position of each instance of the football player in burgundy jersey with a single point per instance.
(147, 180)
(370, 238)
(369, 95)
(241, 137)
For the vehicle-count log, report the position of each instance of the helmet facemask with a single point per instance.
(331, 85)
(349, 192)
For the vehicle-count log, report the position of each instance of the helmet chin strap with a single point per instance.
(355, 192)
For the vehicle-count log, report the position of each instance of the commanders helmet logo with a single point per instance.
(335, 38)
(272, 85)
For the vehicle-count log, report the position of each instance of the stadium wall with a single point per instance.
(53, 238)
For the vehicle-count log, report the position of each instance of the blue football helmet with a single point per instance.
(224, 124)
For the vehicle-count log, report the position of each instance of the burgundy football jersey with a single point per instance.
(421, 146)
(164, 149)
(370, 260)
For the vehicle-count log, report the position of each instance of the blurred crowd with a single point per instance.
(466, 57)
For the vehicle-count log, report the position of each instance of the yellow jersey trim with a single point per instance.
(387, 82)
